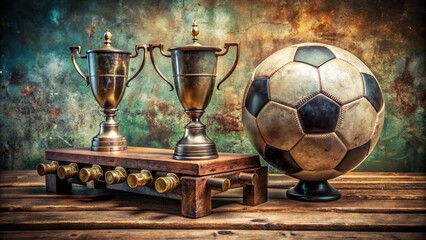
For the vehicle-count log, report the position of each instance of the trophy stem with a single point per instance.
(195, 144)
(109, 138)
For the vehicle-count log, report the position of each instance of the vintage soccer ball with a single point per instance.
(315, 112)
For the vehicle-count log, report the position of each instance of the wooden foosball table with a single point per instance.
(154, 172)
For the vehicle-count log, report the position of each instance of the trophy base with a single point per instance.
(109, 138)
(195, 151)
(109, 144)
(195, 144)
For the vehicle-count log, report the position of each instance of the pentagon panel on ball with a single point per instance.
(257, 95)
(313, 111)
(319, 114)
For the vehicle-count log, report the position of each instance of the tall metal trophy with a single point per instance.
(194, 73)
(108, 78)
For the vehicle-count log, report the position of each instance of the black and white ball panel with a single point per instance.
(353, 157)
(257, 95)
(372, 91)
(356, 123)
(248, 86)
(318, 151)
(319, 115)
(377, 130)
(337, 77)
(313, 55)
(318, 175)
(281, 159)
(350, 58)
(279, 125)
(298, 81)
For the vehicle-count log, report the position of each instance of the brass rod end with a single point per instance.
(248, 178)
(46, 168)
(168, 183)
(141, 179)
(93, 173)
(219, 184)
(67, 171)
(118, 175)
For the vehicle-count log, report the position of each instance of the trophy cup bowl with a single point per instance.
(194, 73)
(108, 77)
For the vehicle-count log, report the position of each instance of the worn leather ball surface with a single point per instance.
(313, 111)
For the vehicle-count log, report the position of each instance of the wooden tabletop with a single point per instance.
(373, 206)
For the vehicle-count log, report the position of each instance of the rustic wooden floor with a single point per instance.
(374, 206)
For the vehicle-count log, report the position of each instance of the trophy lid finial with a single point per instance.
(195, 33)
(107, 47)
(107, 37)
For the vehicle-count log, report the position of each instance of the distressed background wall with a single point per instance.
(45, 104)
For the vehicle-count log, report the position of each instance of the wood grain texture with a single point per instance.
(205, 234)
(373, 206)
(155, 159)
(222, 220)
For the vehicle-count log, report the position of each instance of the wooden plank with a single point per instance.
(120, 203)
(221, 220)
(273, 193)
(353, 194)
(22, 178)
(205, 234)
(386, 174)
(371, 186)
(155, 159)
(81, 192)
(78, 192)
(419, 176)
(91, 203)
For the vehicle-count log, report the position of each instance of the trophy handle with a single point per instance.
(152, 46)
(77, 68)
(145, 49)
(227, 45)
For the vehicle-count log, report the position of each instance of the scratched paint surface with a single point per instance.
(45, 104)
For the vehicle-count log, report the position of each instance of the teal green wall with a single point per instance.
(45, 104)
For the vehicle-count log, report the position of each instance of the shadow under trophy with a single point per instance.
(194, 73)
(108, 78)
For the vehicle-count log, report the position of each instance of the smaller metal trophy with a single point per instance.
(108, 78)
(194, 73)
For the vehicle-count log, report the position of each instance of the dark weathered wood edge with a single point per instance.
(136, 160)
(249, 221)
(206, 234)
